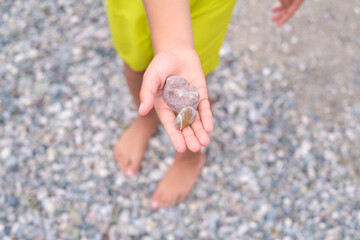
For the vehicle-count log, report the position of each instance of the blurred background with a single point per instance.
(283, 162)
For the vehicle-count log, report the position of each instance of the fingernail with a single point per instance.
(141, 106)
(154, 205)
(129, 173)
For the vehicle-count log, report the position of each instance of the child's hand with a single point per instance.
(184, 63)
(285, 11)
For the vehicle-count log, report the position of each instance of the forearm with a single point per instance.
(170, 24)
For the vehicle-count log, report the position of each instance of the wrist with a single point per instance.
(179, 52)
(178, 49)
(173, 45)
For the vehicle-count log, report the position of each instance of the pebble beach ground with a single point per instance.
(284, 158)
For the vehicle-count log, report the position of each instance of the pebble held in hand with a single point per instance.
(183, 99)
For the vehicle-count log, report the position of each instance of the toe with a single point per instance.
(134, 167)
(119, 161)
(154, 205)
(164, 204)
(168, 201)
(162, 200)
(129, 173)
(182, 198)
(155, 200)
(128, 166)
(129, 169)
(176, 200)
(118, 156)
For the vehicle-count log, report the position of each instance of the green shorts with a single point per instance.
(131, 35)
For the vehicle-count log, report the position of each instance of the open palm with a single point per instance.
(184, 63)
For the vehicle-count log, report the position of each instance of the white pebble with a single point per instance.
(5, 153)
(266, 71)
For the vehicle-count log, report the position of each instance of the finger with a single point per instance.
(276, 17)
(190, 139)
(278, 8)
(154, 79)
(175, 135)
(206, 115)
(200, 132)
(283, 18)
(291, 11)
(167, 118)
(178, 199)
(149, 87)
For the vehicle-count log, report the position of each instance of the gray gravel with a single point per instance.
(284, 158)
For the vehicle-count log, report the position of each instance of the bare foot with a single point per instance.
(132, 144)
(179, 179)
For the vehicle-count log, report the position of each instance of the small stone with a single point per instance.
(51, 154)
(213, 220)
(333, 233)
(124, 216)
(266, 71)
(12, 164)
(224, 50)
(65, 115)
(75, 217)
(304, 149)
(19, 58)
(156, 175)
(242, 229)
(185, 118)
(147, 238)
(253, 115)
(357, 10)
(294, 40)
(49, 206)
(239, 129)
(102, 172)
(288, 222)
(179, 93)
(253, 47)
(41, 88)
(225, 231)
(5, 153)
(76, 51)
(13, 201)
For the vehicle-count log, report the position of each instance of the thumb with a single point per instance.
(150, 85)
(162, 66)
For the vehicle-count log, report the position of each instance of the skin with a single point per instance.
(132, 144)
(187, 66)
(129, 151)
(285, 11)
(174, 55)
(174, 52)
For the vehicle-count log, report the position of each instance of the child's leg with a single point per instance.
(209, 20)
(133, 43)
(131, 146)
